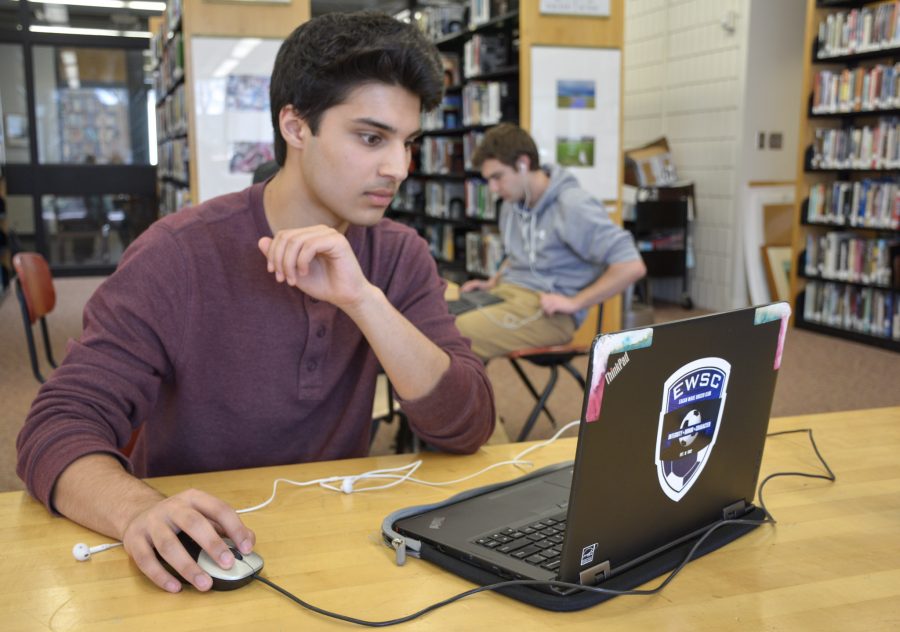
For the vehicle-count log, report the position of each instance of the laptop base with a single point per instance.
(627, 580)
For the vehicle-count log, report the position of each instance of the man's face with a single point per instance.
(503, 180)
(355, 164)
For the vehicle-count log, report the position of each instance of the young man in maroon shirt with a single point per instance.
(249, 330)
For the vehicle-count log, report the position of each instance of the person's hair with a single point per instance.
(506, 143)
(323, 60)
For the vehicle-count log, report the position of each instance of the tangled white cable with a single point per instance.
(347, 485)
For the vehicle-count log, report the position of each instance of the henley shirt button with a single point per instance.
(320, 332)
(313, 300)
(312, 365)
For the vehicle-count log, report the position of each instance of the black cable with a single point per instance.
(828, 477)
(769, 519)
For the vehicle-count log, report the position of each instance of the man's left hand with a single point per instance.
(319, 261)
(558, 304)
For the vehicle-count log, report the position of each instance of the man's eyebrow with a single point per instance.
(384, 126)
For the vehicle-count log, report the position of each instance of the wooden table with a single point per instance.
(831, 563)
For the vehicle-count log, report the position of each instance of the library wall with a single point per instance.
(683, 78)
(773, 90)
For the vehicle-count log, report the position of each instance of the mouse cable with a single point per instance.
(689, 556)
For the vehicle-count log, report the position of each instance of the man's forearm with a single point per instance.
(617, 277)
(413, 363)
(95, 491)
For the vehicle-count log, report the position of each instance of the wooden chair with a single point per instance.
(37, 298)
(553, 358)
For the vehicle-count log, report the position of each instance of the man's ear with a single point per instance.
(293, 127)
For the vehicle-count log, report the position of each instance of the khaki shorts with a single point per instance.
(516, 323)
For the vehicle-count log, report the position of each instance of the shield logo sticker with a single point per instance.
(692, 404)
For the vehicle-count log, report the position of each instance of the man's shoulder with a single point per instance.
(222, 208)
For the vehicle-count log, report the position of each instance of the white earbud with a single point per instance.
(347, 484)
(82, 552)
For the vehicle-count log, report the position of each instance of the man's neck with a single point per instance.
(288, 204)
(538, 181)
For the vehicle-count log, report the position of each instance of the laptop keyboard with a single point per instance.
(539, 543)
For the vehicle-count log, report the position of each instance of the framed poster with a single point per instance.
(575, 113)
(231, 110)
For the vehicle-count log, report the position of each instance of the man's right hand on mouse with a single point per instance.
(202, 517)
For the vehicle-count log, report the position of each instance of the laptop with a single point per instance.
(474, 299)
(674, 421)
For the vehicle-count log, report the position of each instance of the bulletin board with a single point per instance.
(231, 110)
(575, 94)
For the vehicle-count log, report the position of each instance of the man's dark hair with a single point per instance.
(324, 59)
(506, 143)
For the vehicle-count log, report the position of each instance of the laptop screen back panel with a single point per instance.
(627, 499)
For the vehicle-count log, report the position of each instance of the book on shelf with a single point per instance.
(846, 256)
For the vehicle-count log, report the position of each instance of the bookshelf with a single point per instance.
(445, 198)
(487, 49)
(845, 277)
(171, 45)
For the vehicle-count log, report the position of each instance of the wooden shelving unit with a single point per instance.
(846, 238)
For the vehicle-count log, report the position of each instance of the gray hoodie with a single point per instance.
(564, 243)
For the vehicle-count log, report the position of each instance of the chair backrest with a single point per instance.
(36, 283)
(588, 330)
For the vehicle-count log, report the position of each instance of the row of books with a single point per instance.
(859, 30)
(485, 53)
(481, 11)
(484, 102)
(845, 256)
(484, 252)
(172, 197)
(171, 66)
(662, 240)
(171, 114)
(173, 157)
(170, 19)
(866, 147)
(865, 203)
(439, 21)
(441, 155)
(457, 201)
(446, 116)
(860, 309)
(441, 241)
(858, 89)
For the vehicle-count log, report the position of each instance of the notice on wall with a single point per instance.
(596, 8)
(575, 113)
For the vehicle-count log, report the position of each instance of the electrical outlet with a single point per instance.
(775, 139)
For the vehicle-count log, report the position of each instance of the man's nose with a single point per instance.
(396, 162)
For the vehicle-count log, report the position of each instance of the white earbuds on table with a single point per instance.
(82, 552)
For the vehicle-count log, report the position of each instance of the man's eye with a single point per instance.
(371, 139)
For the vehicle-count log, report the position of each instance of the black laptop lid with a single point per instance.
(674, 420)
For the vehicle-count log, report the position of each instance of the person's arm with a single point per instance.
(320, 262)
(443, 386)
(616, 278)
(95, 491)
(68, 448)
(484, 284)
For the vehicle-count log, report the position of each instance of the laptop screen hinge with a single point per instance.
(595, 574)
(734, 510)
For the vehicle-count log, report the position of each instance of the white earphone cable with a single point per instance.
(82, 552)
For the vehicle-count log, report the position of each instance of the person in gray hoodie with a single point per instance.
(562, 253)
